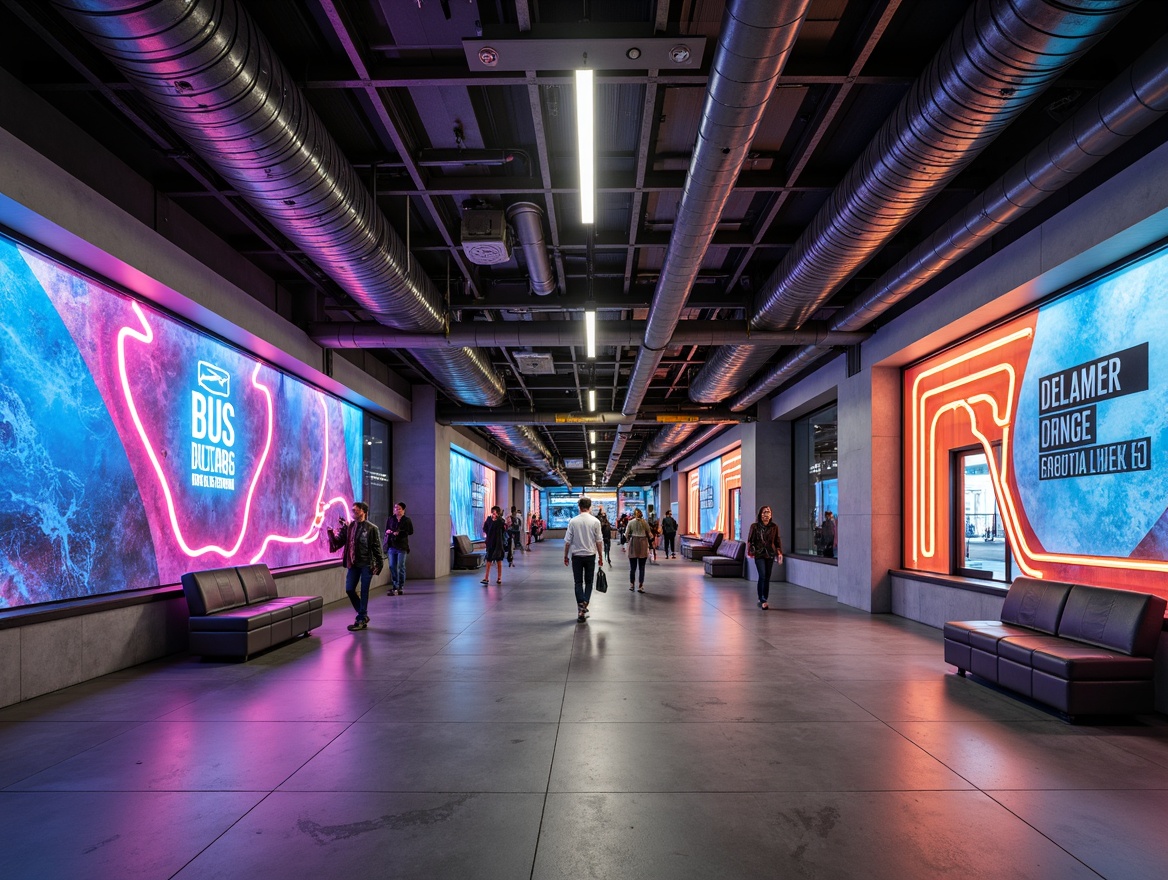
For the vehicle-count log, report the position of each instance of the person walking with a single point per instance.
(764, 545)
(621, 522)
(637, 533)
(654, 525)
(606, 535)
(668, 534)
(398, 529)
(829, 533)
(362, 559)
(494, 531)
(583, 543)
(514, 536)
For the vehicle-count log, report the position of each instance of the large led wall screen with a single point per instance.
(1067, 402)
(472, 495)
(135, 448)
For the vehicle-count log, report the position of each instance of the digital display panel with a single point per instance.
(472, 495)
(136, 448)
(710, 495)
(1067, 404)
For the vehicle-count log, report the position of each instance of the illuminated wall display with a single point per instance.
(472, 495)
(1067, 403)
(136, 448)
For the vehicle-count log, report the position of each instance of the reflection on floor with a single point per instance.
(477, 732)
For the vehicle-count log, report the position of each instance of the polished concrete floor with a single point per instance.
(483, 733)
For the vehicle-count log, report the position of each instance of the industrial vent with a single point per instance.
(485, 238)
(535, 364)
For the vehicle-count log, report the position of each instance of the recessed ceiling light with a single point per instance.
(633, 54)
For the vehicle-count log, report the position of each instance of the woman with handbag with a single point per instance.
(766, 548)
(638, 535)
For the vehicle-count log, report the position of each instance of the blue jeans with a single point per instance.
(636, 565)
(365, 575)
(583, 571)
(397, 568)
(764, 567)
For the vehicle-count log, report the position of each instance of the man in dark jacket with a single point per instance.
(362, 558)
(668, 533)
(398, 529)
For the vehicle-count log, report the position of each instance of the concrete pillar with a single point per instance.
(421, 478)
(766, 477)
(869, 529)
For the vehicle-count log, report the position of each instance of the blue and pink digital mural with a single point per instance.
(135, 448)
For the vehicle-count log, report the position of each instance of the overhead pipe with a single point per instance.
(676, 421)
(206, 69)
(661, 444)
(1128, 105)
(754, 42)
(527, 218)
(522, 334)
(618, 447)
(699, 439)
(526, 444)
(998, 60)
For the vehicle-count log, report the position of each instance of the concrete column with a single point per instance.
(869, 530)
(421, 477)
(766, 477)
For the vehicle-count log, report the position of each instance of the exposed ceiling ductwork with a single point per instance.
(1136, 99)
(483, 334)
(524, 442)
(998, 60)
(753, 44)
(527, 218)
(210, 73)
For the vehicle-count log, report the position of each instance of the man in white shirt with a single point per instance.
(583, 545)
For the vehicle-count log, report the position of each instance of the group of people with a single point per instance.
(587, 544)
(365, 556)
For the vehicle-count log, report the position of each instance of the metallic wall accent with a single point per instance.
(1128, 105)
(997, 61)
(213, 76)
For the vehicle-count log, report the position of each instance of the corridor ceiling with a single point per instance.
(449, 110)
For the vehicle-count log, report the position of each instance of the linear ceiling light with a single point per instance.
(591, 400)
(590, 330)
(592, 437)
(585, 135)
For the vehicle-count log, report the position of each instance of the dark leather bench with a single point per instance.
(684, 542)
(465, 556)
(699, 550)
(1082, 650)
(237, 612)
(726, 561)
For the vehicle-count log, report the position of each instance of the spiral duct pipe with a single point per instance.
(527, 218)
(998, 60)
(1128, 105)
(525, 443)
(216, 80)
(754, 41)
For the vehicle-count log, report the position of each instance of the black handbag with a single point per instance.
(601, 581)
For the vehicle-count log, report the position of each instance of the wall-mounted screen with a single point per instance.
(1066, 407)
(472, 495)
(135, 448)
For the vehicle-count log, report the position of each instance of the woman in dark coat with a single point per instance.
(766, 548)
(495, 532)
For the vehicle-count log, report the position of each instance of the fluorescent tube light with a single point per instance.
(591, 400)
(590, 332)
(586, 138)
(592, 437)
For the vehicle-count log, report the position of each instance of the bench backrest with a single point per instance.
(1117, 619)
(735, 550)
(715, 541)
(258, 583)
(462, 545)
(218, 589)
(1035, 604)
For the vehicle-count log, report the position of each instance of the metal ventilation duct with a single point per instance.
(527, 218)
(999, 59)
(754, 41)
(209, 72)
(1136, 99)
(524, 442)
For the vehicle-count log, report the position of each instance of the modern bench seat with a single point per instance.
(1082, 650)
(237, 612)
(726, 561)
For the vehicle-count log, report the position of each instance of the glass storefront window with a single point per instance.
(376, 469)
(816, 448)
